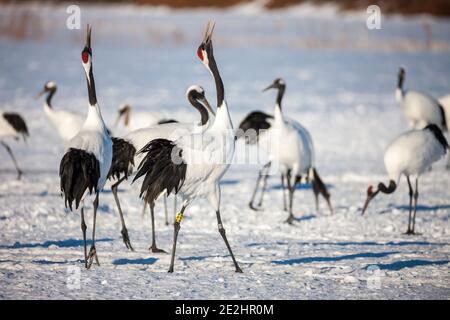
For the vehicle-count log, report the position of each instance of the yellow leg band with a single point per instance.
(179, 217)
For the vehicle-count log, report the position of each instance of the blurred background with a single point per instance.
(336, 68)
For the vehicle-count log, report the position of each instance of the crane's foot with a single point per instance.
(126, 239)
(153, 248)
(19, 174)
(290, 219)
(411, 232)
(251, 206)
(91, 257)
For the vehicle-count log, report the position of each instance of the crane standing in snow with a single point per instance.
(12, 125)
(124, 151)
(290, 146)
(410, 154)
(85, 165)
(193, 165)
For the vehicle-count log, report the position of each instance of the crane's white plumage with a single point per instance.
(137, 139)
(66, 123)
(419, 108)
(134, 120)
(85, 166)
(288, 145)
(410, 154)
(193, 165)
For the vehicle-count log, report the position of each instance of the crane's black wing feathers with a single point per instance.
(438, 134)
(122, 159)
(17, 122)
(160, 171)
(254, 121)
(79, 171)
(444, 123)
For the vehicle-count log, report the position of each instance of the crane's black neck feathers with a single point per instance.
(17, 122)
(50, 95)
(389, 189)
(193, 99)
(281, 89)
(91, 88)
(217, 78)
(438, 135)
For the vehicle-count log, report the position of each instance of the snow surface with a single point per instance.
(340, 86)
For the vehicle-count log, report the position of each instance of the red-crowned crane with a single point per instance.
(133, 120)
(193, 165)
(12, 125)
(290, 146)
(67, 123)
(410, 154)
(85, 165)
(124, 151)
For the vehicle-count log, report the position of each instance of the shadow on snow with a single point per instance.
(59, 243)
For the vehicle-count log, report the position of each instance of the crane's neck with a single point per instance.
(94, 120)
(48, 100)
(204, 117)
(223, 119)
(278, 114)
(389, 189)
(400, 92)
(91, 87)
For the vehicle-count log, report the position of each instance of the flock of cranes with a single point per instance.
(189, 159)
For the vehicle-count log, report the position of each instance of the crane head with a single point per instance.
(205, 50)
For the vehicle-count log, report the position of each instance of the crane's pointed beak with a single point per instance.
(272, 86)
(88, 36)
(209, 31)
(368, 199)
(205, 102)
(40, 94)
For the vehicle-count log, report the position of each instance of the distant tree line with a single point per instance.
(433, 7)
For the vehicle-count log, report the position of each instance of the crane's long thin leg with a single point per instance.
(144, 207)
(83, 229)
(410, 205)
(250, 204)
(19, 172)
(174, 207)
(224, 237)
(291, 190)
(93, 252)
(166, 215)
(283, 190)
(416, 196)
(124, 231)
(316, 192)
(153, 247)
(176, 227)
(264, 187)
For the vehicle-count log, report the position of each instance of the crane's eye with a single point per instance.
(85, 56)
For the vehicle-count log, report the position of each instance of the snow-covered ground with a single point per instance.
(340, 84)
